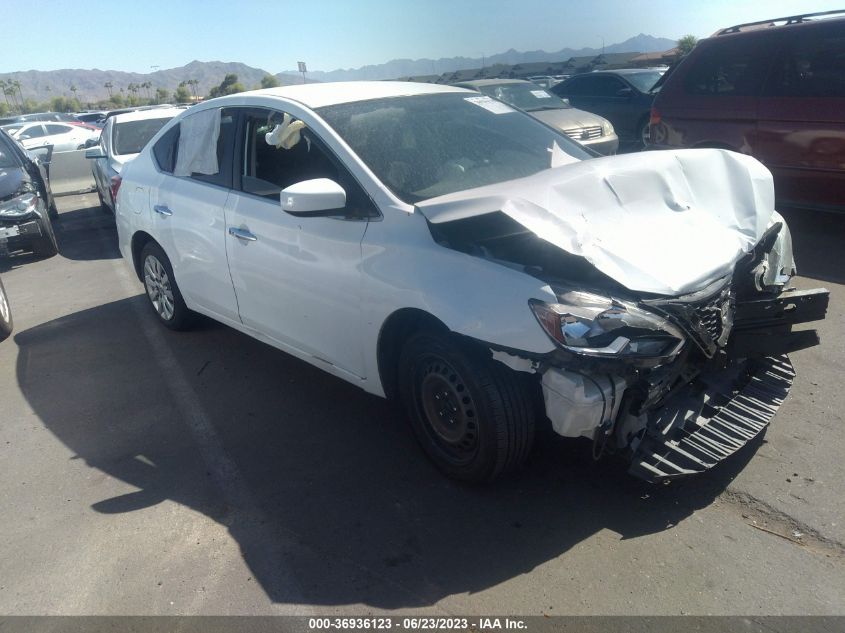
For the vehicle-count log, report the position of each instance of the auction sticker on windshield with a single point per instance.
(541, 94)
(496, 107)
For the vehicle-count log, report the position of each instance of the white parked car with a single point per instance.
(434, 245)
(122, 139)
(64, 137)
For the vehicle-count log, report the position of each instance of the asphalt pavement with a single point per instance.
(150, 472)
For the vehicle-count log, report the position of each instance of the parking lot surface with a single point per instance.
(152, 472)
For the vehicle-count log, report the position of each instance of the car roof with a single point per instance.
(318, 95)
(491, 82)
(141, 115)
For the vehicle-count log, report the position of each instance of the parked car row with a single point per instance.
(484, 273)
(623, 97)
(62, 137)
(590, 130)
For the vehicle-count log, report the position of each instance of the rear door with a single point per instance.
(188, 220)
(712, 100)
(802, 117)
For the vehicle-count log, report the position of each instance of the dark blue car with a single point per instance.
(624, 97)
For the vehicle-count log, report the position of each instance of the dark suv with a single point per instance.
(772, 89)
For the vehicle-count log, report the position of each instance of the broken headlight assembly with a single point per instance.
(19, 206)
(592, 325)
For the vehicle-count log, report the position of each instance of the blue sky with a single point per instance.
(135, 35)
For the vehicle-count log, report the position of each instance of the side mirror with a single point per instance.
(320, 196)
(624, 92)
(94, 152)
(91, 142)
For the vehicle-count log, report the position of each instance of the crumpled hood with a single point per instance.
(664, 222)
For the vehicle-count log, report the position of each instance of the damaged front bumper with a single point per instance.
(710, 420)
(686, 417)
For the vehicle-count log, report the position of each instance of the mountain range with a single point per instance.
(641, 43)
(90, 84)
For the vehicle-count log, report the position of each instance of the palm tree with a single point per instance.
(194, 83)
(17, 84)
(3, 88)
(146, 86)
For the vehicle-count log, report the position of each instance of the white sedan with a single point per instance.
(122, 138)
(63, 137)
(434, 245)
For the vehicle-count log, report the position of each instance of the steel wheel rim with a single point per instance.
(158, 287)
(4, 307)
(448, 409)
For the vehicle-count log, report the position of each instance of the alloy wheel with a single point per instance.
(158, 287)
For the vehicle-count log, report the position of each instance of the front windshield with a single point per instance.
(644, 81)
(529, 97)
(430, 145)
(130, 137)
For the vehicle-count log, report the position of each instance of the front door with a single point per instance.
(297, 279)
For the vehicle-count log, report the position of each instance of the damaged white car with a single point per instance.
(430, 244)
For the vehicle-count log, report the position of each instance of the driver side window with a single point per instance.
(278, 155)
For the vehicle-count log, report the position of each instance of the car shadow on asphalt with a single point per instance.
(86, 234)
(335, 491)
(81, 234)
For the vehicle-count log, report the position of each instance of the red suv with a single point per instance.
(772, 89)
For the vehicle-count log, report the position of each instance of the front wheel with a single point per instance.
(472, 415)
(162, 291)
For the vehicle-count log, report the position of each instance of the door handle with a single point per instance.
(163, 209)
(242, 234)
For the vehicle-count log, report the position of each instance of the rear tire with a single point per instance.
(6, 323)
(103, 206)
(472, 416)
(644, 132)
(163, 293)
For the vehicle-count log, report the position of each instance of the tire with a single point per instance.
(46, 245)
(643, 132)
(103, 206)
(163, 294)
(6, 323)
(472, 416)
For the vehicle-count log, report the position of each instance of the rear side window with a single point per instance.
(729, 68)
(165, 150)
(810, 67)
(52, 128)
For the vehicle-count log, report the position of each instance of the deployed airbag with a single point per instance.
(198, 136)
(666, 222)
